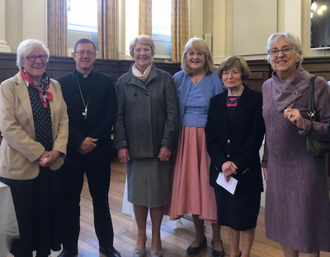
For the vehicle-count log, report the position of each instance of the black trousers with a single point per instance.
(98, 176)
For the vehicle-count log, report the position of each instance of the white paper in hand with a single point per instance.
(229, 186)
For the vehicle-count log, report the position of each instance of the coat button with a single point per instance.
(228, 155)
(147, 94)
(228, 141)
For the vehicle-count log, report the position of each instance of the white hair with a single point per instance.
(292, 41)
(26, 47)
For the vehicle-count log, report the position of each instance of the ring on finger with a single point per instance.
(291, 116)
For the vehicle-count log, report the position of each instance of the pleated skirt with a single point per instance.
(191, 192)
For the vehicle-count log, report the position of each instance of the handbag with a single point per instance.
(314, 146)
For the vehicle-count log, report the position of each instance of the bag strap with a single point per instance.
(311, 108)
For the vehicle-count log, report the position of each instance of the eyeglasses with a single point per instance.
(284, 50)
(33, 58)
(82, 53)
(233, 73)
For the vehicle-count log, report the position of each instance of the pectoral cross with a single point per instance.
(85, 113)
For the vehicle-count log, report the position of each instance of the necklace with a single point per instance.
(83, 100)
(233, 99)
(197, 80)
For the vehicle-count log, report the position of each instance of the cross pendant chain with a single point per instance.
(82, 99)
(85, 112)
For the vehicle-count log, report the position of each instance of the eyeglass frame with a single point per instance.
(286, 48)
(232, 73)
(34, 58)
(82, 53)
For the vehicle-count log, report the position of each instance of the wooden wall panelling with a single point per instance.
(318, 66)
(260, 72)
(8, 66)
(59, 66)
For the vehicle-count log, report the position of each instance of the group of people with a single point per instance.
(54, 132)
(220, 124)
(180, 137)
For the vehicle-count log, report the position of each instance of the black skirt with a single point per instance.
(239, 211)
(40, 215)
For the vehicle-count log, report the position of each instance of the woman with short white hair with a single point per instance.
(34, 124)
(297, 197)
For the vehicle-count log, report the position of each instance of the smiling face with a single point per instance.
(232, 78)
(84, 57)
(196, 60)
(37, 68)
(142, 55)
(284, 64)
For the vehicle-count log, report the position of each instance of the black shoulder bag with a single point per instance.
(314, 146)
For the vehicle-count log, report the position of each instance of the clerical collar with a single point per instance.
(80, 75)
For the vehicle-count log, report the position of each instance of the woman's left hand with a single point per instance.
(295, 117)
(164, 153)
(49, 158)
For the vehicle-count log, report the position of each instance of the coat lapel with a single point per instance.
(23, 95)
(223, 117)
(241, 106)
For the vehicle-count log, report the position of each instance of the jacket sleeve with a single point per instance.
(214, 149)
(62, 134)
(13, 133)
(75, 136)
(254, 139)
(170, 134)
(120, 130)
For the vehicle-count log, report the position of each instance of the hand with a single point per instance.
(123, 155)
(264, 170)
(48, 158)
(164, 153)
(229, 168)
(42, 156)
(87, 145)
(295, 117)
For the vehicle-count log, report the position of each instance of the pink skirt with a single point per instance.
(191, 192)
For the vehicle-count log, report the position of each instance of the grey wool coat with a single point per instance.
(147, 114)
(297, 197)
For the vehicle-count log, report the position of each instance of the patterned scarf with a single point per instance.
(42, 88)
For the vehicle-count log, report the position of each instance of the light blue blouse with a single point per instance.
(195, 113)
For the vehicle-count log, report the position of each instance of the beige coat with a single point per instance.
(19, 151)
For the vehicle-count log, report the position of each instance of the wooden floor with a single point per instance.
(174, 242)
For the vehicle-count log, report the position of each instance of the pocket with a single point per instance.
(12, 158)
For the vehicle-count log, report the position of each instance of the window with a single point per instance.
(82, 15)
(161, 20)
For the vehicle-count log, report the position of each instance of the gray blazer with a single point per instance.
(147, 113)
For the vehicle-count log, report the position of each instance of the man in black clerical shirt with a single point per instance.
(91, 100)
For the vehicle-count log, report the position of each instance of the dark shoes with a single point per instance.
(216, 253)
(195, 250)
(73, 252)
(109, 252)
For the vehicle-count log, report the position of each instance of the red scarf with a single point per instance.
(42, 88)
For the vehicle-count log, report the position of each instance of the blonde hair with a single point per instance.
(143, 39)
(235, 61)
(200, 45)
